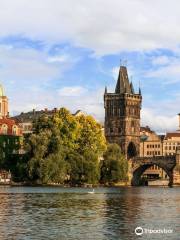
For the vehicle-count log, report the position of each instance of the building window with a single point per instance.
(14, 130)
(4, 129)
(119, 130)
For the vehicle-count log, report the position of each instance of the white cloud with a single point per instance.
(161, 60)
(104, 26)
(101, 25)
(59, 59)
(91, 103)
(74, 91)
(158, 122)
(29, 68)
(169, 73)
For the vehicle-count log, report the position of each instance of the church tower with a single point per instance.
(122, 115)
(3, 103)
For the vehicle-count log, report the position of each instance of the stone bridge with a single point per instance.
(140, 164)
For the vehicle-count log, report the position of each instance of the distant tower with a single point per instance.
(122, 115)
(3, 103)
(179, 122)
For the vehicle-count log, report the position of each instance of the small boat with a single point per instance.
(92, 191)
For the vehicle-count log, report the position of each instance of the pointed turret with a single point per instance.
(139, 91)
(123, 85)
(1, 91)
(132, 88)
(105, 91)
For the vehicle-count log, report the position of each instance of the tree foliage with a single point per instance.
(67, 148)
(64, 147)
(114, 167)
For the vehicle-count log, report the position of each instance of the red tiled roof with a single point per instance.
(170, 135)
(7, 121)
(10, 123)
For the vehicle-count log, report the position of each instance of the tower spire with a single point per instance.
(105, 91)
(123, 85)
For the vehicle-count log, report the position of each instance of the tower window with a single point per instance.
(119, 129)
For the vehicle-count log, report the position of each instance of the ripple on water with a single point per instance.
(71, 213)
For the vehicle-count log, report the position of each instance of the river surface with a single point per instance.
(72, 213)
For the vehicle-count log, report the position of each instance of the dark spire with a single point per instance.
(139, 91)
(132, 88)
(105, 91)
(123, 85)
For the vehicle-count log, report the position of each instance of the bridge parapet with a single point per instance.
(155, 158)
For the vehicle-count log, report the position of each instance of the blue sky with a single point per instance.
(56, 53)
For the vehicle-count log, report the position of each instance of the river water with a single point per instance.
(73, 213)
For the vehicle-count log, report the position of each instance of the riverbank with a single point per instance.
(85, 185)
(160, 183)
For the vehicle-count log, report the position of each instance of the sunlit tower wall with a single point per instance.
(122, 115)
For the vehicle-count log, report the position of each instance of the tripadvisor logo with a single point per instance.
(139, 231)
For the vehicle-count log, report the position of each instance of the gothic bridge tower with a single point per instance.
(122, 115)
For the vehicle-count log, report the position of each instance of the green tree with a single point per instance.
(68, 128)
(54, 169)
(64, 146)
(90, 136)
(46, 163)
(91, 167)
(114, 167)
(76, 167)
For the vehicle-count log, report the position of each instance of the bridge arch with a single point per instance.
(140, 165)
(131, 150)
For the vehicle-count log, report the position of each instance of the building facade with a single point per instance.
(122, 115)
(152, 144)
(25, 120)
(10, 131)
(171, 142)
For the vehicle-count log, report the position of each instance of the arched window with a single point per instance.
(4, 129)
(14, 130)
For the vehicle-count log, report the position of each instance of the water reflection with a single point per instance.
(57, 213)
